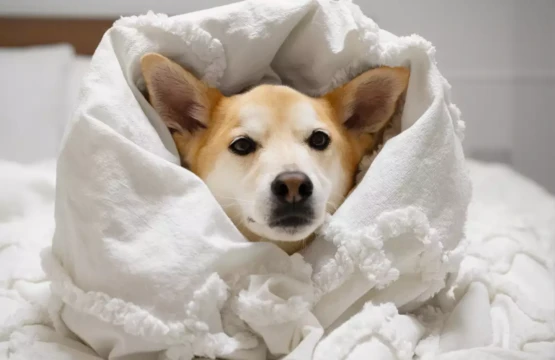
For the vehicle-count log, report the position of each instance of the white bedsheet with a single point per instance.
(502, 307)
(501, 302)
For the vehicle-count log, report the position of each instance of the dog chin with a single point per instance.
(275, 232)
(290, 234)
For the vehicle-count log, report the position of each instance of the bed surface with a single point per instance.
(507, 210)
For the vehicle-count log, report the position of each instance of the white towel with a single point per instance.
(144, 262)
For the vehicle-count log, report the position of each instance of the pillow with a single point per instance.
(33, 101)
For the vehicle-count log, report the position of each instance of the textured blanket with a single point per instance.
(498, 305)
(144, 264)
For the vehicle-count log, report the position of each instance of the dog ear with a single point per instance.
(366, 103)
(182, 101)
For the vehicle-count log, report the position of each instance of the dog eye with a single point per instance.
(319, 140)
(243, 146)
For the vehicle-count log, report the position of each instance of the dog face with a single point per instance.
(276, 160)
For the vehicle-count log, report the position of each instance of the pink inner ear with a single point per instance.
(175, 101)
(373, 104)
(354, 122)
(184, 115)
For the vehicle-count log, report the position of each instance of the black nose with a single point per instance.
(292, 187)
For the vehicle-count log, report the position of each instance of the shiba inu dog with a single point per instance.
(275, 159)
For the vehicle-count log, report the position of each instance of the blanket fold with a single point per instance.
(144, 260)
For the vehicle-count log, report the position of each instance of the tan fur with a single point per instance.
(204, 123)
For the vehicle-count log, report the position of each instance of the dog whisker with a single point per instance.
(228, 205)
(236, 199)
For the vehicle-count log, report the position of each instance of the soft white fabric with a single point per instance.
(501, 302)
(26, 226)
(34, 101)
(79, 67)
(143, 258)
(511, 219)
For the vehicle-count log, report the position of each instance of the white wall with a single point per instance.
(499, 55)
(104, 8)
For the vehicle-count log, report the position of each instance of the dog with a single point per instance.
(276, 160)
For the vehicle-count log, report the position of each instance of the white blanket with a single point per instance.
(144, 263)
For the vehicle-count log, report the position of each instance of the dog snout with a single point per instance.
(292, 187)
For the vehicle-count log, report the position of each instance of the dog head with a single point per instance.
(275, 159)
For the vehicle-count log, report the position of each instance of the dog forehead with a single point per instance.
(303, 115)
(255, 119)
(262, 118)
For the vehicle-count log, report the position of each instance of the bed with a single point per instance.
(511, 296)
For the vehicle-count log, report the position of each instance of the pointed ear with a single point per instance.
(183, 102)
(366, 103)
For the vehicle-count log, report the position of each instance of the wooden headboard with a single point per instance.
(83, 34)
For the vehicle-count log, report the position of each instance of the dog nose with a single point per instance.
(292, 186)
